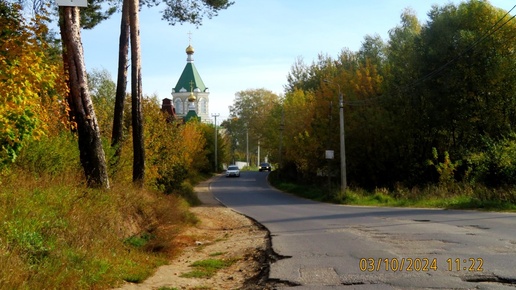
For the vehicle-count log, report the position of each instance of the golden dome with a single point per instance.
(189, 50)
(192, 97)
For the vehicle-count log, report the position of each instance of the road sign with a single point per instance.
(74, 3)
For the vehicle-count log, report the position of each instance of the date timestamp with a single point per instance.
(420, 264)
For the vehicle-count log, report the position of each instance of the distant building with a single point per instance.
(190, 97)
(167, 107)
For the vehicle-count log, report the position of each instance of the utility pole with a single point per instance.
(216, 137)
(282, 127)
(247, 145)
(258, 162)
(343, 182)
(342, 145)
(329, 145)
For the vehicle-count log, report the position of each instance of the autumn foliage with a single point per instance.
(176, 152)
(447, 85)
(56, 232)
(31, 83)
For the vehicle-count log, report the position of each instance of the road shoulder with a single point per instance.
(221, 234)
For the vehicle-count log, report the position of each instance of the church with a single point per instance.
(190, 96)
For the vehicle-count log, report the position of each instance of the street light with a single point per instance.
(343, 180)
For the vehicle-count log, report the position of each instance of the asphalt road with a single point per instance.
(348, 247)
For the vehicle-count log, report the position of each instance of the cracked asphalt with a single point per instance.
(325, 246)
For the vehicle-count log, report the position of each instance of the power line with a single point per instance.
(472, 46)
(493, 29)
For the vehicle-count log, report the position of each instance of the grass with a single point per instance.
(430, 197)
(449, 196)
(139, 240)
(207, 268)
(57, 234)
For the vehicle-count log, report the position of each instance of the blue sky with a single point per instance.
(251, 45)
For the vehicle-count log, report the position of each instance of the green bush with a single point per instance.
(51, 155)
(445, 169)
(139, 240)
(171, 177)
(495, 166)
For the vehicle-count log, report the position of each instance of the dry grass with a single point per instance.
(55, 233)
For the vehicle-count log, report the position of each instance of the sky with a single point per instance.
(251, 45)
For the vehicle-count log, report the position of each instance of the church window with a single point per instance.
(203, 106)
(179, 106)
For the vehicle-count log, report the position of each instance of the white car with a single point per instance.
(233, 171)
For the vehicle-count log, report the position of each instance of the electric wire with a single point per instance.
(493, 29)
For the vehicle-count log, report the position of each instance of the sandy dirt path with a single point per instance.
(221, 234)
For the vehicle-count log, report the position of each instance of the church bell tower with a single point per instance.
(190, 96)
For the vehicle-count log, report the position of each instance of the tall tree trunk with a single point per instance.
(121, 84)
(90, 146)
(136, 96)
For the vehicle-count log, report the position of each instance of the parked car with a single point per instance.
(233, 171)
(264, 167)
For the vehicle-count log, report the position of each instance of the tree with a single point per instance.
(250, 111)
(405, 102)
(102, 91)
(472, 47)
(82, 112)
(450, 83)
(31, 82)
(189, 11)
(136, 95)
(96, 12)
(176, 11)
(373, 50)
(298, 75)
(121, 84)
(303, 151)
(223, 154)
(175, 152)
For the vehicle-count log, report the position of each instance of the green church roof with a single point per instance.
(190, 74)
(192, 115)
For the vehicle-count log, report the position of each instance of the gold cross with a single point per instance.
(191, 86)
